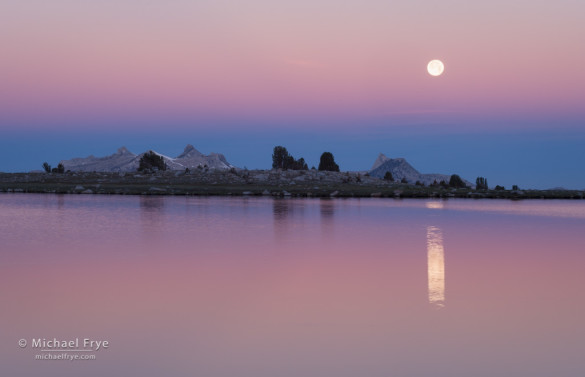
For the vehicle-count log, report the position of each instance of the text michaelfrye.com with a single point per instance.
(64, 349)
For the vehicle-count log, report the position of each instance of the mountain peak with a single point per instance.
(123, 150)
(401, 169)
(189, 151)
(380, 160)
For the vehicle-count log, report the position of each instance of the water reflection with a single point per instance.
(327, 211)
(152, 204)
(220, 294)
(284, 211)
(152, 210)
(60, 202)
(436, 266)
(281, 209)
(434, 205)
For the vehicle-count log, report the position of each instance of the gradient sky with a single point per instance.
(238, 77)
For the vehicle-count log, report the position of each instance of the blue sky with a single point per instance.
(538, 159)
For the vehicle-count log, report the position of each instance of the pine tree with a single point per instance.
(481, 183)
(280, 158)
(456, 181)
(151, 161)
(327, 162)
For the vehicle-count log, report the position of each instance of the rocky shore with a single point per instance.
(291, 183)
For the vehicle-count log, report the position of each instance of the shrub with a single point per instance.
(515, 188)
(60, 169)
(388, 176)
(499, 188)
(403, 180)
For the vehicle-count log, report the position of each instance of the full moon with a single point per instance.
(435, 67)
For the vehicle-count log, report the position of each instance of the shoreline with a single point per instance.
(272, 183)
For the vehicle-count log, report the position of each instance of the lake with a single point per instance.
(197, 286)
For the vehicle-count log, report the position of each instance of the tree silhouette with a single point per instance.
(151, 161)
(281, 159)
(300, 164)
(456, 181)
(327, 162)
(481, 183)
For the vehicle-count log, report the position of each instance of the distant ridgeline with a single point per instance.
(125, 161)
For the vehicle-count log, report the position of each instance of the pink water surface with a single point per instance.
(262, 287)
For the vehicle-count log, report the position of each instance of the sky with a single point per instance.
(80, 77)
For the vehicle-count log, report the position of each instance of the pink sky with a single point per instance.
(73, 61)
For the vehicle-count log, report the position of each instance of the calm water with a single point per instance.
(260, 287)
